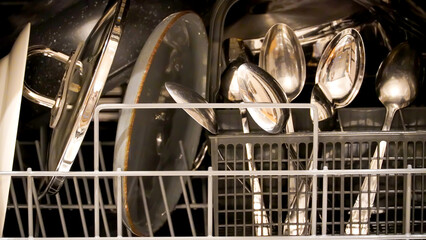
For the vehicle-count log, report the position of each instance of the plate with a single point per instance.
(148, 140)
(12, 71)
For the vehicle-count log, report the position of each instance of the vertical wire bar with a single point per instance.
(80, 207)
(67, 191)
(85, 182)
(280, 214)
(188, 209)
(103, 214)
(145, 206)
(17, 212)
(30, 204)
(40, 163)
(210, 204)
(408, 202)
(342, 190)
(314, 179)
(38, 210)
(204, 196)
(103, 168)
(324, 202)
(191, 189)
(166, 207)
(61, 216)
(96, 192)
(96, 170)
(21, 165)
(119, 208)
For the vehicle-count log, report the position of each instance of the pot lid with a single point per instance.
(80, 90)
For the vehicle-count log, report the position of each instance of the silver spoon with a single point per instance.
(281, 55)
(235, 84)
(338, 79)
(207, 118)
(258, 86)
(396, 87)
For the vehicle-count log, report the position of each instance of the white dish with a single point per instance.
(12, 71)
(148, 140)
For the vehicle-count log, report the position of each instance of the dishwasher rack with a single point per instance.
(86, 207)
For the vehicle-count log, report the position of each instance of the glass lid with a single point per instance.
(80, 91)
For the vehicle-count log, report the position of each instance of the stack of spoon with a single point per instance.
(279, 78)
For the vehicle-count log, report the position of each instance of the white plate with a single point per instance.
(12, 70)
(176, 51)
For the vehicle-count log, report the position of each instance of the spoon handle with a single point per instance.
(260, 216)
(360, 215)
(296, 219)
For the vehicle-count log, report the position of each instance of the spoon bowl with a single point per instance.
(229, 88)
(282, 56)
(257, 86)
(341, 67)
(206, 117)
(396, 84)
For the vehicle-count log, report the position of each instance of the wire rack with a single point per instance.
(210, 205)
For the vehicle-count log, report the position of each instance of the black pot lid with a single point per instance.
(80, 91)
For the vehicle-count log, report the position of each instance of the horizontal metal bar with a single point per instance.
(334, 237)
(203, 105)
(91, 174)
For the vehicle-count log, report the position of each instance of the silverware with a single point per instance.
(396, 87)
(282, 56)
(206, 118)
(258, 86)
(338, 79)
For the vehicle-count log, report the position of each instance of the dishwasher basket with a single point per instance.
(215, 202)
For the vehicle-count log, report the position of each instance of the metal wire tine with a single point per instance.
(103, 213)
(407, 207)
(41, 165)
(188, 179)
(324, 202)
(67, 191)
(103, 168)
(15, 207)
(80, 207)
(85, 182)
(61, 215)
(188, 208)
(119, 207)
(166, 207)
(37, 228)
(21, 165)
(204, 196)
(145, 207)
(30, 206)
(37, 204)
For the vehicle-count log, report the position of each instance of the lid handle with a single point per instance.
(33, 95)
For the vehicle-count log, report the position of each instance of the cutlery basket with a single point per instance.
(344, 158)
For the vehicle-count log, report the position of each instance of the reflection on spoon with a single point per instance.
(396, 87)
(257, 86)
(282, 56)
(204, 117)
(338, 79)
